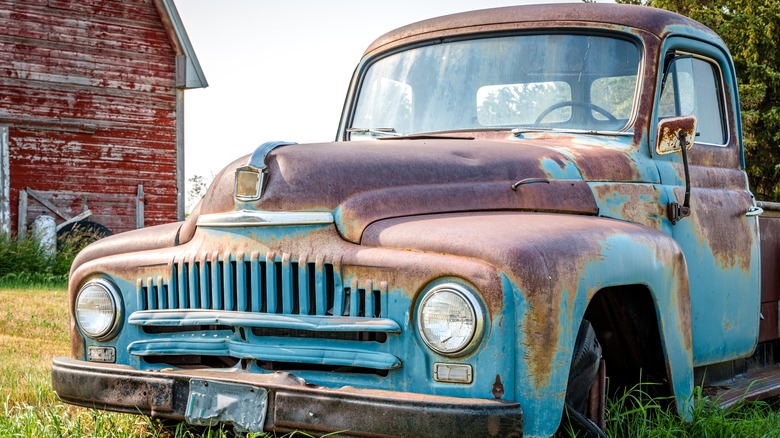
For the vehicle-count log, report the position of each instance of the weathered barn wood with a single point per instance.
(91, 98)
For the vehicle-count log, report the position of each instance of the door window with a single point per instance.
(693, 86)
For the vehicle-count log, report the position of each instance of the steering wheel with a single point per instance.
(565, 103)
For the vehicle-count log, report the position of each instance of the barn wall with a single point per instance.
(87, 88)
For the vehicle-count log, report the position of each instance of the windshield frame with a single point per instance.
(361, 73)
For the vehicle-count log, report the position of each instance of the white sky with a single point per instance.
(279, 70)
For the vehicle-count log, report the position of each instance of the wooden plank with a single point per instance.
(5, 183)
(770, 258)
(22, 214)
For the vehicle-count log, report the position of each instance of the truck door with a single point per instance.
(719, 241)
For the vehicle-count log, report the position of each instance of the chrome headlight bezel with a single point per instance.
(112, 318)
(249, 183)
(475, 309)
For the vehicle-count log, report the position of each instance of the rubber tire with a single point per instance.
(584, 369)
(84, 232)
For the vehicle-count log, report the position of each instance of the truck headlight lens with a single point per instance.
(97, 309)
(249, 183)
(450, 319)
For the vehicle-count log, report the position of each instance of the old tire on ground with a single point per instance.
(583, 376)
(82, 233)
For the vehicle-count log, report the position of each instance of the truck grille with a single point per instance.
(273, 311)
(275, 284)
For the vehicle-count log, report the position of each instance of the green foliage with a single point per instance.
(23, 263)
(637, 414)
(197, 185)
(751, 29)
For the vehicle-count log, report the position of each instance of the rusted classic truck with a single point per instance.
(520, 203)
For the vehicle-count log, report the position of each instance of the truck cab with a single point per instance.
(520, 202)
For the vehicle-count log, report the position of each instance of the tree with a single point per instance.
(196, 189)
(751, 30)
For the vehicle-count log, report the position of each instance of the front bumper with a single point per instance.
(292, 403)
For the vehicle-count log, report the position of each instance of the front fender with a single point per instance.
(555, 265)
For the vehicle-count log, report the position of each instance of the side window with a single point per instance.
(694, 86)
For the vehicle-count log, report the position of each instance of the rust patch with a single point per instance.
(541, 253)
(655, 21)
(719, 222)
(498, 388)
(360, 210)
(639, 203)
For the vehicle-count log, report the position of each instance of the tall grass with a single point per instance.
(24, 264)
(636, 414)
(34, 329)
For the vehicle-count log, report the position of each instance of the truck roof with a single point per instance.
(656, 21)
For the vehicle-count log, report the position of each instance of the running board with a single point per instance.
(751, 386)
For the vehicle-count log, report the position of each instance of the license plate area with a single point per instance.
(211, 403)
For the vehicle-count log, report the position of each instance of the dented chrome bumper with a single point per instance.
(291, 404)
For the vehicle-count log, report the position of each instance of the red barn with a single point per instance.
(91, 111)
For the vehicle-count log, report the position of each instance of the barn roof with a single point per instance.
(188, 71)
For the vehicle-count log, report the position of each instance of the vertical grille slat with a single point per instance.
(287, 280)
(192, 278)
(303, 286)
(216, 282)
(242, 288)
(270, 287)
(320, 286)
(368, 309)
(339, 294)
(255, 281)
(269, 283)
(205, 284)
(162, 294)
(182, 279)
(141, 291)
(173, 288)
(151, 293)
(354, 298)
(227, 282)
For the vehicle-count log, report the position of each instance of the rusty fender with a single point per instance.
(555, 264)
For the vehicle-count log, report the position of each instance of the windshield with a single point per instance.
(556, 81)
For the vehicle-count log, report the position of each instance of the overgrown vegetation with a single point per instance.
(637, 414)
(750, 29)
(24, 264)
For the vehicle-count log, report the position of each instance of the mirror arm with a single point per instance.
(675, 211)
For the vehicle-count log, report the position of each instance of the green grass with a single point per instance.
(636, 414)
(34, 329)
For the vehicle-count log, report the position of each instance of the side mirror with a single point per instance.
(677, 134)
(669, 128)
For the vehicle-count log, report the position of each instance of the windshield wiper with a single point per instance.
(378, 131)
(522, 129)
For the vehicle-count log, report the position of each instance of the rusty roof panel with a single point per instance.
(655, 21)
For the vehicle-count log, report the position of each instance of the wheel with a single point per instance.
(566, 103)
(81, 233)
(585, 389)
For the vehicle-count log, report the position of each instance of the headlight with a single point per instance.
(450, 319)
(249, 183)
(97, 309)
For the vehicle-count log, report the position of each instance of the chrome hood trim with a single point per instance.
(249, 218)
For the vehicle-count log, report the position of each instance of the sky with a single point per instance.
(279, 70)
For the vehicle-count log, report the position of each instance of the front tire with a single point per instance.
(585, 386)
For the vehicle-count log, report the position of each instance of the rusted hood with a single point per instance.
(160, 236)
(362, 182)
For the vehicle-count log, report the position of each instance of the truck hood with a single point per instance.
(362, 182)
